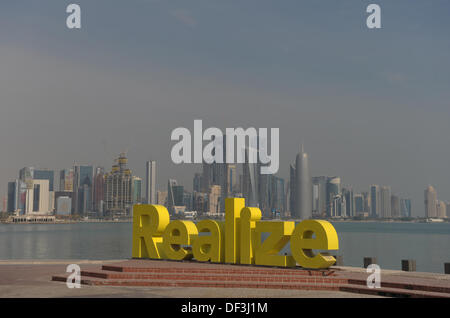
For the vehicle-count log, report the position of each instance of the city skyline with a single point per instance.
(379, 201)
(370, 106)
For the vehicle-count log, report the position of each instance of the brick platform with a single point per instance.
(158, 273)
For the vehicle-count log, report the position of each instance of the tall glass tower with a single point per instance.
(303, 187)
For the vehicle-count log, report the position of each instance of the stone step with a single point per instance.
(408, 284)
(238, 270)
(194, 283)
(212, 276)
(392, 292)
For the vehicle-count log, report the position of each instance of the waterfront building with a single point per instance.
(277, 195)
(66, 180)
(430, 202)
(441, 210)
(385, 202)
(187, 201)
(175, 195)
(232, 179)
(200, 202)
(375, 201)
(13, 196)
(26, 174)
(333, 196)
(347, 193)
(320, 195)
(99, 190)
(161, 198)
(302, 200)
(150, 182)
(359, 203)
(214, 198)
(119, 188)
(37, 197)
(197, 182)
(83, 176)
(291, 189)
(45, 174)
(405, 207)
(63, 205)
(251, 182)
(218, 173)
(338, 206)
(395, 206)
(137, 190)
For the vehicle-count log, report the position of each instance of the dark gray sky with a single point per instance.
(371, 106)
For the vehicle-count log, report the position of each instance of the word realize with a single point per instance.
(236, 241)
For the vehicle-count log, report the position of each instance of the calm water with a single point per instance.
(427, 243)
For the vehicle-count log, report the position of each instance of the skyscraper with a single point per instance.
(82, 189)
(197, 182)
(303, 187)
(232, 181)
(441, 210)
(45, 174)
(13, 196)
(359, 203)
(334, 196)
(137, 190)
(277, 194)
(66, 180)
(347, 193)
(320, 195)
(217, 173)
(150, 182)
(119, 188)
(375, 201)
(292, 191)
(395, 206)
(405, 207)
(385, 200)
(99, 190)
(37, 197)
(173, 195)
(430, 202)
(251, 180)
(214, 199)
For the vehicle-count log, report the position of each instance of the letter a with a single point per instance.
(374, 20)
(374, 280)
(74, 19)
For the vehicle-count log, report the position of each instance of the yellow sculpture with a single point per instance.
(237, 241)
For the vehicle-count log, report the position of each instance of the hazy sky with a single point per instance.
(371, 106)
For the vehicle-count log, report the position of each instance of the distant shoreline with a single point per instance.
(196, 220)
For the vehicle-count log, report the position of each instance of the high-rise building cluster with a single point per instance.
(83, 191)
(86, 190)
(435, 208)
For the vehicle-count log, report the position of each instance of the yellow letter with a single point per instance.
(209, 247)
(303, 243)
(249, 216)
(179, 233)
(267, 252)
(233, 207)
(149, 222)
